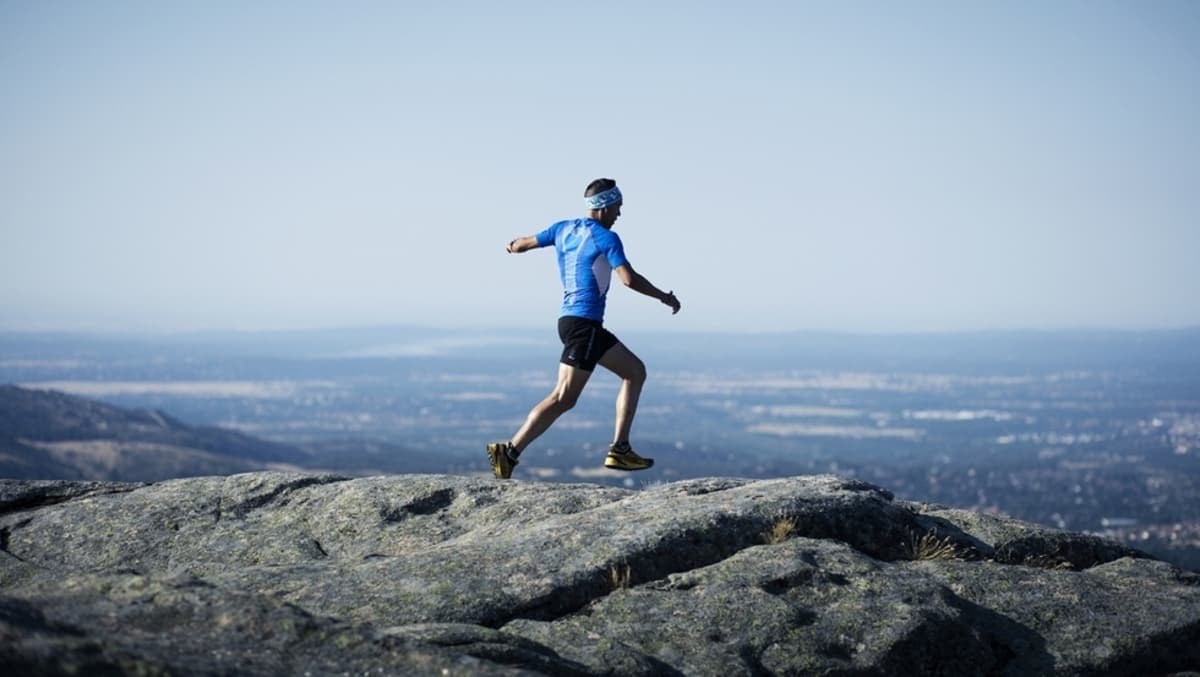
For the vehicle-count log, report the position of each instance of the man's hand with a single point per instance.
(637, 282)
(521, 244)
(670, 300)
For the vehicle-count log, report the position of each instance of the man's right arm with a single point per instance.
(542, 239)
(521, 244)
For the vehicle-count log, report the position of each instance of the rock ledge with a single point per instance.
(274, 573)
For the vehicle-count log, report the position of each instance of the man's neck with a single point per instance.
(595, 215)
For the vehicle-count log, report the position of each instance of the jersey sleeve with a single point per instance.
(613, 250)
(546, 237)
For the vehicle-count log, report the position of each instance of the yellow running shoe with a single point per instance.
(502, 465)
(623, 457)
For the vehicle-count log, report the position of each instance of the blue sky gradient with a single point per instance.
(846, 166)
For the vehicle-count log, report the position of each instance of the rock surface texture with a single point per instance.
(278, 573)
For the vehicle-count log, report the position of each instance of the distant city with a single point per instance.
(1087, 431)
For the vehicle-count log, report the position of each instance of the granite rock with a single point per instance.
(274, 573)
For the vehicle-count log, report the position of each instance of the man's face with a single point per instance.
(611, 214)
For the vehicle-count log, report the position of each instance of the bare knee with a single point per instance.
(561, 401)
(637, 372)
(567, 400)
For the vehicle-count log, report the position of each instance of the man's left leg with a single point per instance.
(632, 372)
(571, 380)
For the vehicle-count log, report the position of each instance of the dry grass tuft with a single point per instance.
(621, 576)
(928, 546)
(1048, 562)
(783, 529)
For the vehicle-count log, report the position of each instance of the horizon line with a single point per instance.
(813, 331)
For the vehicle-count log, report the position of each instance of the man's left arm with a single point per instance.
(638, 282)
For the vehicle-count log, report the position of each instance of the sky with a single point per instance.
(847, 166)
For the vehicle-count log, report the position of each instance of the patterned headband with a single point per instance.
(608, 198)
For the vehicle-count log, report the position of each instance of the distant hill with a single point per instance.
(52, 435)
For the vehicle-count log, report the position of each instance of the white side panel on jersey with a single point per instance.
(602, 269)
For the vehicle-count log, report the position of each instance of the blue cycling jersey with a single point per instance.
(587, 253)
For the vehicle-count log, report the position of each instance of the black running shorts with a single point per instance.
(584, 341)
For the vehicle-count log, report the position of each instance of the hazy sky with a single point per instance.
(891, 166)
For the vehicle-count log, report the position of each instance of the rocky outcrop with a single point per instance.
(275, 573)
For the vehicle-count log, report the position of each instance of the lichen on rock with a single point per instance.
(265, 573)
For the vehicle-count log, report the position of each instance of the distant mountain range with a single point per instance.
(52, 435)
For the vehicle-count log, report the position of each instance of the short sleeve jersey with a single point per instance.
(587, 253)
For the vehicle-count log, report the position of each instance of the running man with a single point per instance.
(588, 253)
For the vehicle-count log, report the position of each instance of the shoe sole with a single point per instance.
(649, 464)
(494, 451)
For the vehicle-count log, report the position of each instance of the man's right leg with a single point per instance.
(571, 381)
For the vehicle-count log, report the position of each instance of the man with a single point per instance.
(588, 253)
